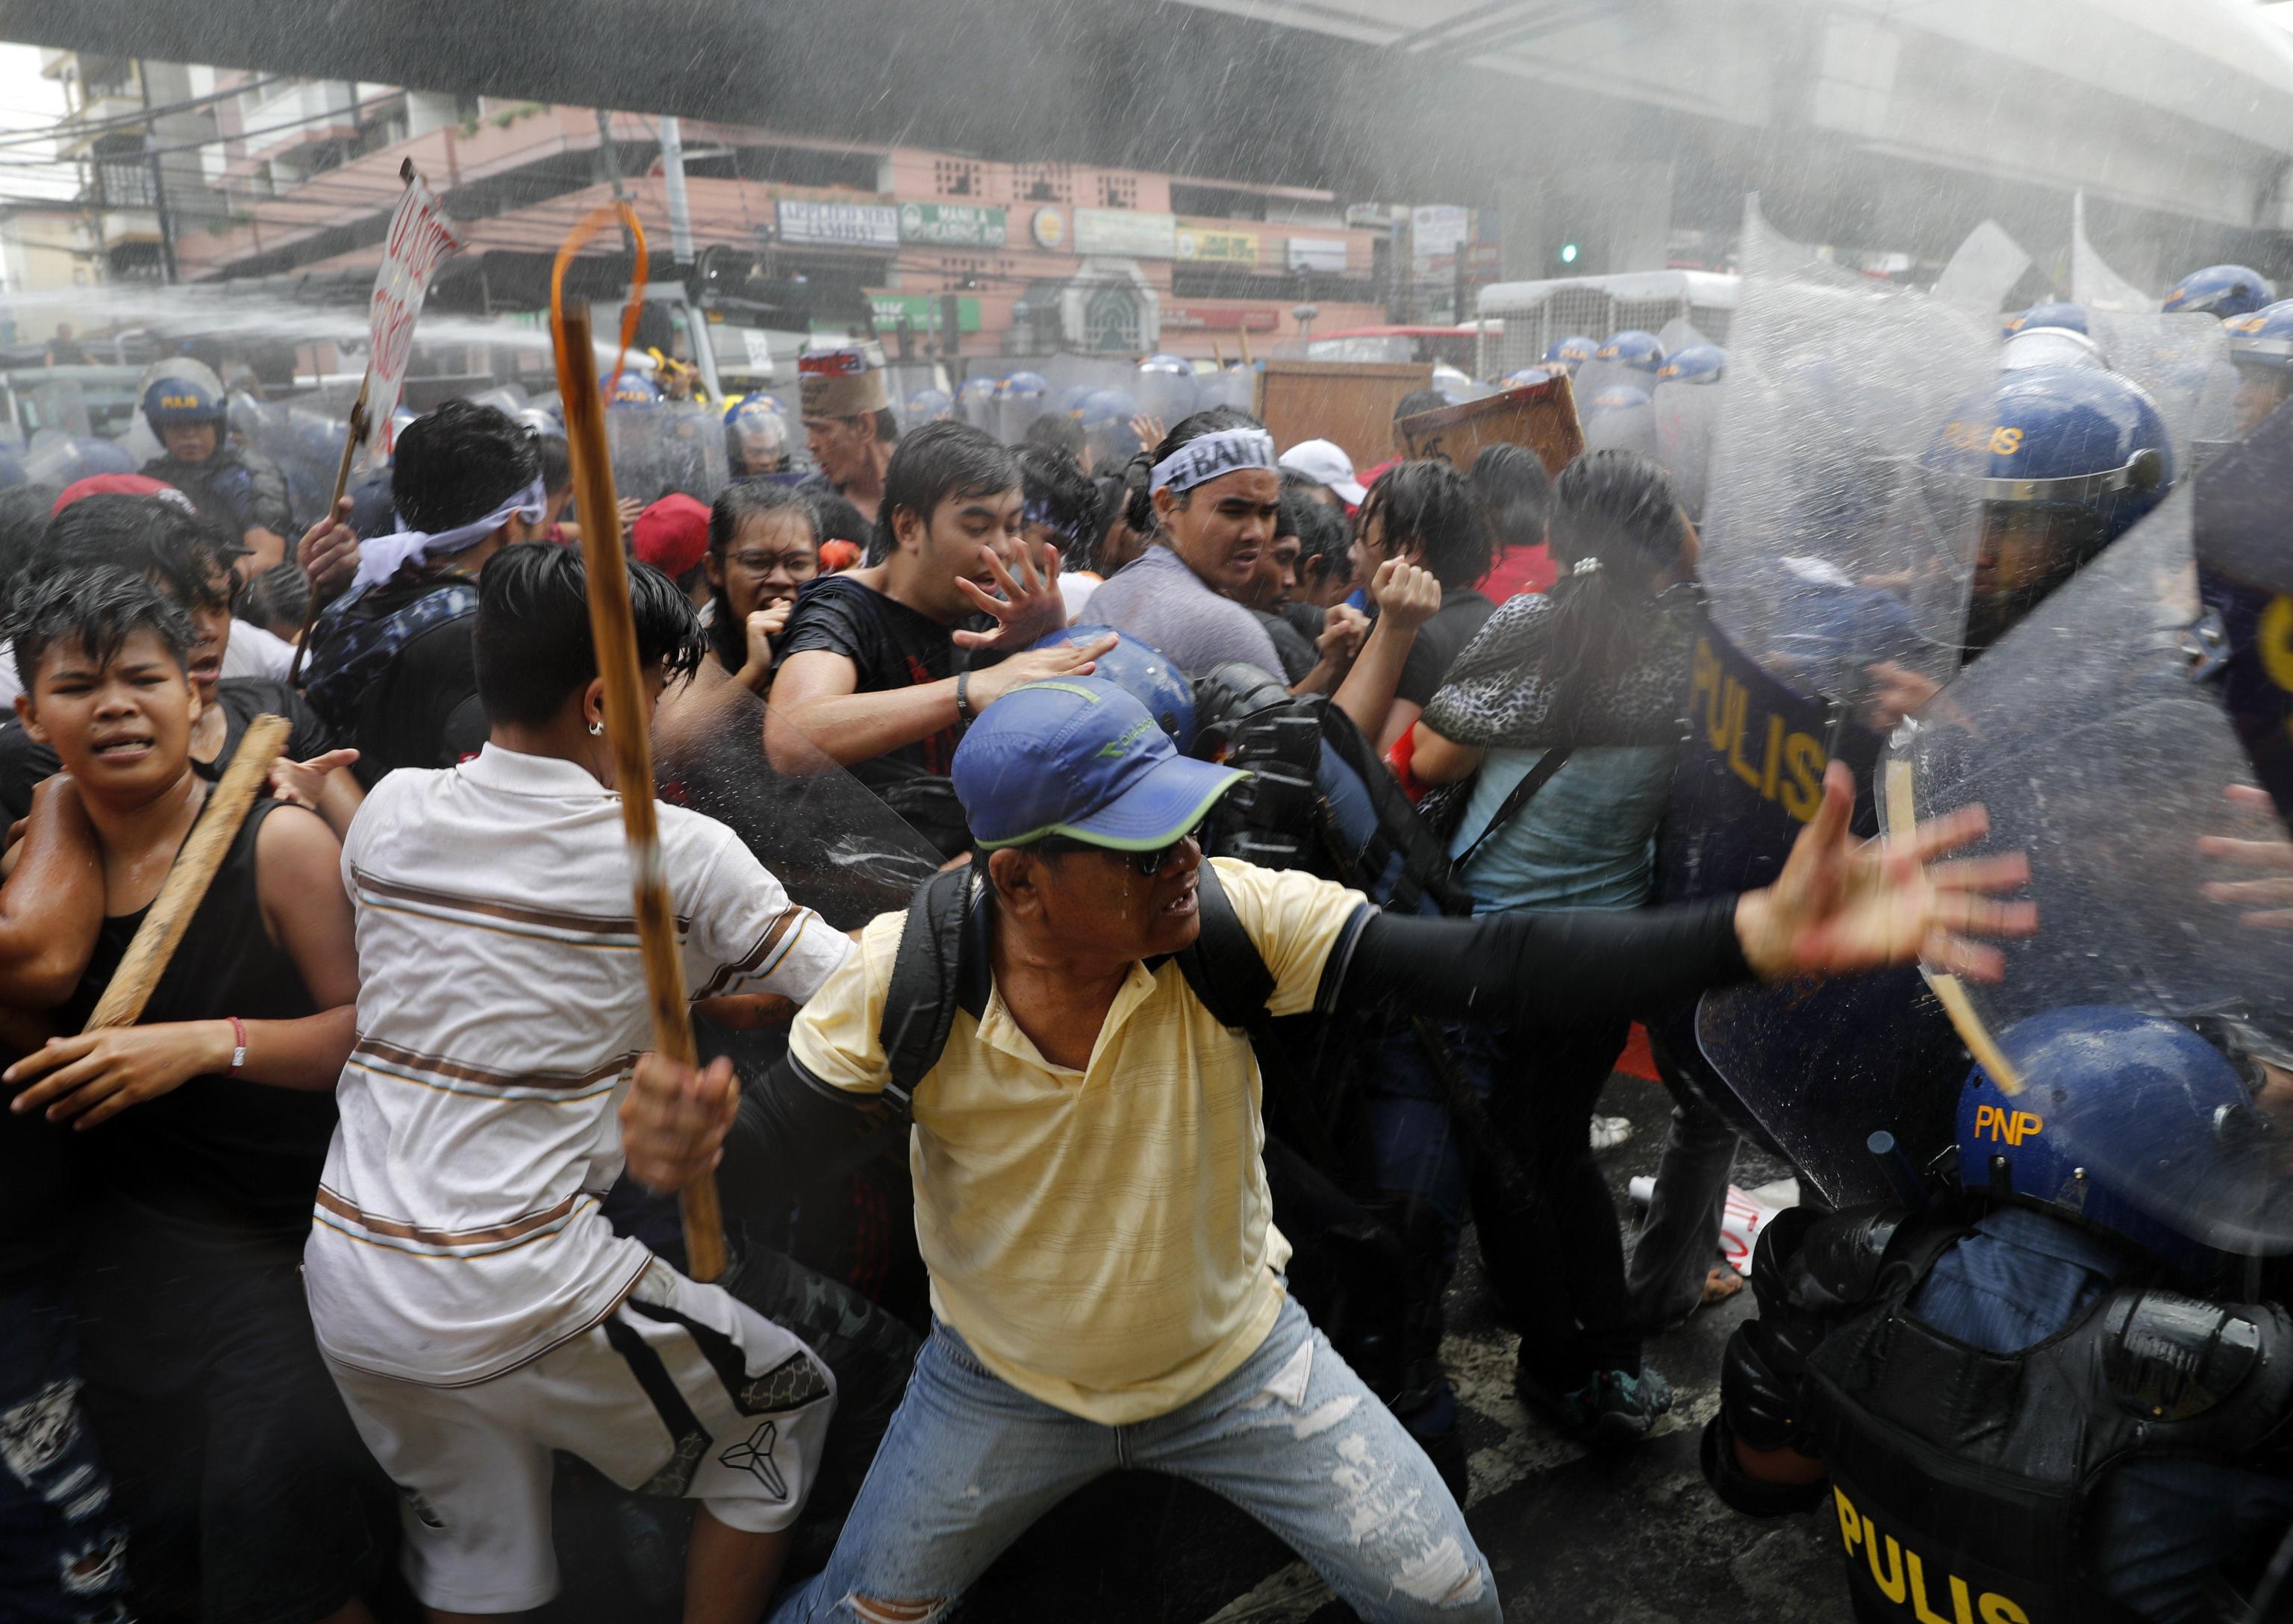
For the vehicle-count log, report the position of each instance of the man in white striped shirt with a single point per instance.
(475, 1307)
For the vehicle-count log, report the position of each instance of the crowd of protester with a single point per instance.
(313, 1280)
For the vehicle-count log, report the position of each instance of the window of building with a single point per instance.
(1043, 183)
(1111, 321)
(1118, 191)
(957, 177)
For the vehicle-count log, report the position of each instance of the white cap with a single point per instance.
(1325, 463)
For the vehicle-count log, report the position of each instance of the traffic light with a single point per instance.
(1568, 252)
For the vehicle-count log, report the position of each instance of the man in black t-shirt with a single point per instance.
(390, 667)
(871, 674)
(1426, 513)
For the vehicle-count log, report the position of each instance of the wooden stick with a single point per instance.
(1241, 337)
(351, 442)
(189, 877)
(612, 627)
(1217, 354)
(1902, 826)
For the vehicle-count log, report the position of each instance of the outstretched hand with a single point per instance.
(1027, 606)
(2268, 902)
(675, 1118)
(1843, 905)
(301, 783)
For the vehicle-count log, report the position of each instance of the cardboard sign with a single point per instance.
(421, 234)
(1350, 402)
(1542, 416)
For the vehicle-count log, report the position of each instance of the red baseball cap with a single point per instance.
(119, 485)
(672, 535)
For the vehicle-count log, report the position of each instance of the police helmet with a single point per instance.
(1640, 351)
(1696, 364)
(1105, 416)
(1616, 399)
(176, 400)
(1451, 384)
(1025, 388)
(930, 406)
(2046, 313)
(2119, 1119)
(2264, 338)
(975, 399)
(1525, 378)
(2050, 347)
(632, 388)
(101, 456)
(1570, 353)
(2221, 290)
(1143, 672)
(2065, 437)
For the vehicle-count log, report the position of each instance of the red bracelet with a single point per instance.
(239, 1039)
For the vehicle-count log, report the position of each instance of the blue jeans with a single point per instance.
(1293, 1437)
(63, 1550)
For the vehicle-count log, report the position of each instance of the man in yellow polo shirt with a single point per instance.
(1107, 1276)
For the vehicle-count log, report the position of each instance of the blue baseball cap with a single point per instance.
(1077, 755)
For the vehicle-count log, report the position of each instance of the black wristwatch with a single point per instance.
(963, 711)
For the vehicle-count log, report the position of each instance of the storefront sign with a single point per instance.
(1220, 319)
(923, 311)
(1049, 227)
(1201, 245)
(1322, 254)
(1126, 233)
(839, 225)
(961, 224)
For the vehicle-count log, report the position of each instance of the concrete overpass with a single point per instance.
(1866, 124)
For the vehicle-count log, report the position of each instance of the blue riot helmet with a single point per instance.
(2221, 290)
(181, 399)
(928, 406)
(1108, 439)
(1451, 384)
(101, 456)
(2105, 1091)
(1634, 351)
(2064, 459)
(632, 389)
(1166, 387)
(1069, 400)
(1525, 378)
(1143, 672)
(757, 437)
(1696, 364)
(1839, 629)
(1023, 396)
(1570, 353)
(974, 400)
(2046, 313)
(2050, 347)
(1620, 418)
(2261, 345)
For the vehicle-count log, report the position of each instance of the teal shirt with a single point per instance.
(1587, 840)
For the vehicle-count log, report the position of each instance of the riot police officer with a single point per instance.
(1568, 354)
(2220, 290)
(756, 437)
(241, 489)
(2261, 346)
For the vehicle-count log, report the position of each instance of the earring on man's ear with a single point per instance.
(597, 730)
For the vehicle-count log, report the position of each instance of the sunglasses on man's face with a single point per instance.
(1148, 863)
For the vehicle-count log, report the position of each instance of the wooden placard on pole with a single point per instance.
(612, 627)
(1542, 416)
(1350, 402)
(189, 876)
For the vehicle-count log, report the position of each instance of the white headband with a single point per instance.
(384, 556)
(1208, 455)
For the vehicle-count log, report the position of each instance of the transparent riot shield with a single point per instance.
(836, 847)
(1982, 272)
(2182, 361)
(676, 445)
(1164, 388)
(1622, 418)
(2099, 735)
(2093, 283)
(1686, 416)
(1680, 334)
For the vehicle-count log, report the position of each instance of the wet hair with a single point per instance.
(887, 426)
(278, 596)
(1622, 509)
(459, 463)
(533, 637)
(1208, 421)
(1432, 507)
(1418, 401)
(1518, 493)
(1321, 535)
(23, 520)
(97, 610)
(1056, 432)
(1068, 498)
(835, 518)
(557, 461)
(729, 515)
(185, 554)
(941, 460)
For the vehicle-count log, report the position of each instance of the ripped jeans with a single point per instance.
(1293, 1437)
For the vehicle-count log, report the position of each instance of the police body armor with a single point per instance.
(242, 490)
(1964, 1480)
